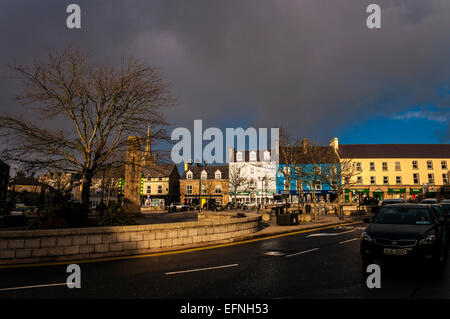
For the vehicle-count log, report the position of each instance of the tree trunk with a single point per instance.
(85, 187)
(339, 207)
(314, 203)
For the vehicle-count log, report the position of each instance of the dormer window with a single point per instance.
(267, 156)
(253, 156)
(204, 175)
(218, 174)
(189, 175)
(239, 156)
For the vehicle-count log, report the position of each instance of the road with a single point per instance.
(318, 264)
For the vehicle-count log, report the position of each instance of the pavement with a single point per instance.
(269, 228)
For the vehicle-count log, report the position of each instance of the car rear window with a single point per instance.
(403, 215)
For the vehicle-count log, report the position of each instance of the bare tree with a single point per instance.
(289, 158)
(339, 173)
(309, 171)
(98, 106)
(62, 182)
(237, 180)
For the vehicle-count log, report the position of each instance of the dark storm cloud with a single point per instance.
(312, 66)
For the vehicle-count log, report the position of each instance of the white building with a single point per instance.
(258, 173)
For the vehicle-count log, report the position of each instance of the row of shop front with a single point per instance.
(413, 193)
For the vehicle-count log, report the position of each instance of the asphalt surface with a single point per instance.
(318, 264)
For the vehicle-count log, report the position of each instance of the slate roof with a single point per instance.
(323, 154)
(210, 170)
(394, 150)
(163, 170)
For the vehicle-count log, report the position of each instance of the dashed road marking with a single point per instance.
(302, 252)
(35, 286)
(348, 240)
(200, 269)
(330, 234)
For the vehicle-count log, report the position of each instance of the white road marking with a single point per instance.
(200, 269)
(274, 253)
(330, 234)
(302, 252)
(36, 286)
(349, 240)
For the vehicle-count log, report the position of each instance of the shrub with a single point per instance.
(114, 215)
(66, 215)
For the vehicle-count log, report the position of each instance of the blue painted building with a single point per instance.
(302, 185)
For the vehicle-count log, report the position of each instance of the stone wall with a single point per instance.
(33, 246)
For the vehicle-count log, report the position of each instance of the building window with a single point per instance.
(398, 180)
(203, 189)
(372, 166)
(431, 179)
(385, 180)
(218, 189)
(189, 175)
(416, 179)
(149, 189)
(359, 180)
(189, 189)
(159, 189)
(415, 165)
(267, 156)
(239, 156)
(253, 156)
(160, 178)
(372, 180)
(252, 183)
(204, 175)
(445, 179)
(397, 166)
(430, 164)
(444, 164)
(252, 170)
(218, 174)
(385, 166)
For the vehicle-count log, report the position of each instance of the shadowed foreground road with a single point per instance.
(319, 264)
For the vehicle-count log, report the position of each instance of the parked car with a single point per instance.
(248, 205)
(178, 206)
(405, 231)
(430, 201)
(446, 205)
(393, 201)
(16, 217)
(192, 206)
(231, 205)
(370, 201)
(213, 205)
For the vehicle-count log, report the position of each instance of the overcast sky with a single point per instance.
(310, 65)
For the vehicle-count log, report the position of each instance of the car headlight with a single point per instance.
(365, 236)
(429, 240)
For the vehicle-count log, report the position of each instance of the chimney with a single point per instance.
(334, 143)
(304, 144)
